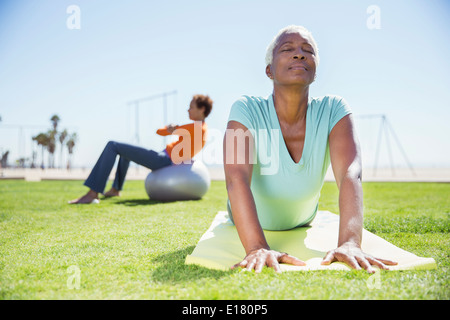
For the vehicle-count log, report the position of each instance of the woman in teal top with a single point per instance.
(277, 150)
(286, 192)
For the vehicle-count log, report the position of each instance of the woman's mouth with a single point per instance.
(298, 66)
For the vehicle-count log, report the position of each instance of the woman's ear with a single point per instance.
(269, 71)
(203, 108)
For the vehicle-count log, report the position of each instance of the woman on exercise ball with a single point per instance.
(295, 138)
(175, 152)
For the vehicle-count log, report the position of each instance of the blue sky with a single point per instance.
(127, 50)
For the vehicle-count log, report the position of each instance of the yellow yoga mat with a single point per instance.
(220, 248)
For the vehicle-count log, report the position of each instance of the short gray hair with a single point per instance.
(290, 29)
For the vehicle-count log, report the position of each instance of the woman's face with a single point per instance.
(294, 61)
(195, 113)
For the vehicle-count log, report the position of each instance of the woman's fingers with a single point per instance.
(272, 262)
(388, 262)
(260, 263)
(329, 258)
(351, 261)
(258, 259)
(365, 264)
(356, 259)
(376, 262)
(381, 263)
(241, 264)
(285, 258)
(250, 265)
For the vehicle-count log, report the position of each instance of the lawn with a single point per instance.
(134, 248)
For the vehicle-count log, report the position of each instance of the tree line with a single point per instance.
(48, 142)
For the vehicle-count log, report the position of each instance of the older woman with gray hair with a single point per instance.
(289, 140)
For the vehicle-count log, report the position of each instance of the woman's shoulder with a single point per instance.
(250, 110)
(329, 109)
(328, 103)
(249, 100)
(328, 99)
(252, 105)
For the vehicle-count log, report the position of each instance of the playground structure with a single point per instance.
(387, 131)
(136, 103)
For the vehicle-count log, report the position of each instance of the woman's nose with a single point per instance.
(299, 56)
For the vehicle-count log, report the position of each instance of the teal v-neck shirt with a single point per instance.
(287, 193)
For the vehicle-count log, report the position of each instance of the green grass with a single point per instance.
(134, 248)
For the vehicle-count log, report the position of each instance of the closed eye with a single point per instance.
(309, 50)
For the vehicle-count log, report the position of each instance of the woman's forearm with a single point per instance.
(245, 216)
(350, 210)
(257, 251)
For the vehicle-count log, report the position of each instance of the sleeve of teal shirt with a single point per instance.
(339, 109)
(240, 112)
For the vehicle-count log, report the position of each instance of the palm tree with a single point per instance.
(52, 134)
(70, 145)
(62, 138)
(42, 140)
(21, 162)
(33, 159)
(51, 147)
(55, 119)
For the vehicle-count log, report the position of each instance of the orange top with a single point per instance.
(192, 138)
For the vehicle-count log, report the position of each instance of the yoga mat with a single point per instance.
(220, 247)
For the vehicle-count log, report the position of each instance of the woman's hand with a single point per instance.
(259, 258)
(352, 255)
(171, 128)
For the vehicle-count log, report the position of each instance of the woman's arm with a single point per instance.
(346, 163)
(167, 130)
(183, 130)
(238, 172)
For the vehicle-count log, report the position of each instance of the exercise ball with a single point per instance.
(178, 182)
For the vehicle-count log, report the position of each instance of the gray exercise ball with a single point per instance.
(178, 182)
